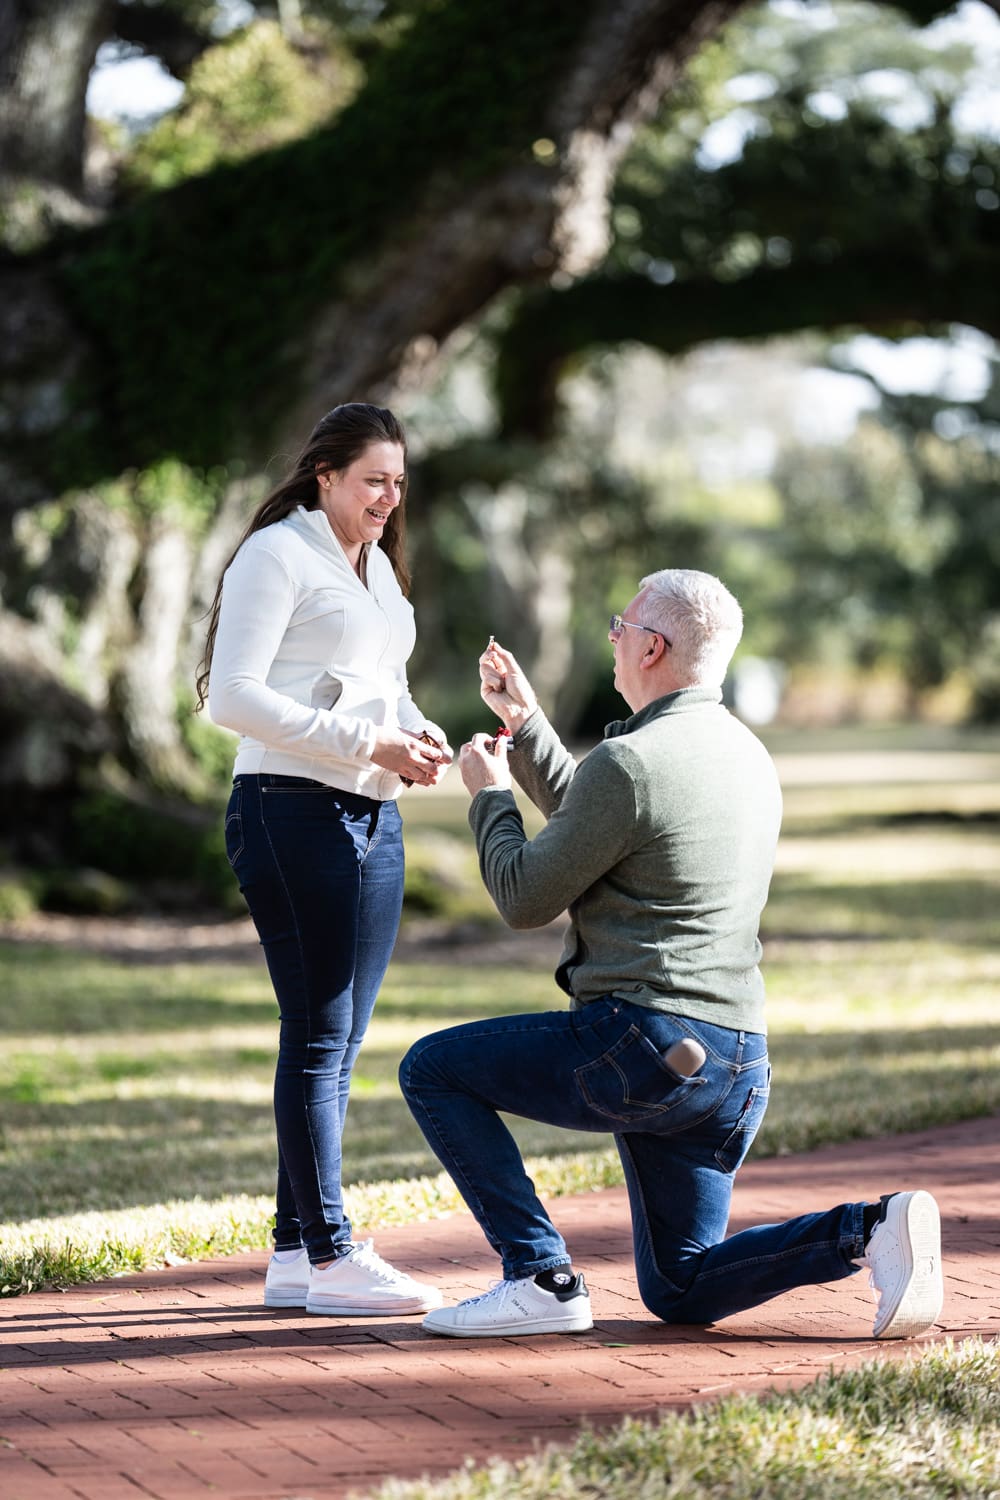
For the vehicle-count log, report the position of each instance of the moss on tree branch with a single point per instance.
(188, 295)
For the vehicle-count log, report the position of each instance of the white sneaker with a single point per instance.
(287, 1282)
(362, 1283)
(903, 1255)
(516, 1307)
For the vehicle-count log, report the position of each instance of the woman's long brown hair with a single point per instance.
(333, 445)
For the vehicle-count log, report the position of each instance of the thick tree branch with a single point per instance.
(47, 52)
(161, 33)
(887, 292)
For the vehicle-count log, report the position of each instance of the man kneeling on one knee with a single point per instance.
(660, 844)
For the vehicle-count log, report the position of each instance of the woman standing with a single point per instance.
(308, 640)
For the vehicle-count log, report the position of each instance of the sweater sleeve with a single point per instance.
(541, 766)
(532, 881)
(258, 598)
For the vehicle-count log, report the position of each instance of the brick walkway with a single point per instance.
(177, 1383)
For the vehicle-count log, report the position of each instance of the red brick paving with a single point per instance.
(177, 1383)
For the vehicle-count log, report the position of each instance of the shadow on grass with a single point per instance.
(49, 992)
(64, 993)
(113, 1152)
(947, 908)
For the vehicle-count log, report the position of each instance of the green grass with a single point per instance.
(135, 1112)
(924, 1426)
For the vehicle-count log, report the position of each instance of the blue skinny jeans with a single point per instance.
(601, 1068)
(322, 873)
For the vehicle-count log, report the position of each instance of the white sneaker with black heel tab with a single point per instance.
(362, 1284)
(512, 1307)
(903, 1255)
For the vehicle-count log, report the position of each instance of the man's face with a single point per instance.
(630, 648)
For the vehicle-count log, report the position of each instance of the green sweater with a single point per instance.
(660, 845)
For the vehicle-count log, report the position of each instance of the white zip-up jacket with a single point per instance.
(309, 662)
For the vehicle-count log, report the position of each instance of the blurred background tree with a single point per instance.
(481, 214)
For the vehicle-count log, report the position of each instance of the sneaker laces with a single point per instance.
(497, 1292)
(366, 1256)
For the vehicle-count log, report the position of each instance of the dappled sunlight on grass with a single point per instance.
(950, 908)
(919, 852)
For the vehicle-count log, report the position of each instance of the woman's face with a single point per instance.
(359, 500)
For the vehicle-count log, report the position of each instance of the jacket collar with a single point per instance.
(316, 529)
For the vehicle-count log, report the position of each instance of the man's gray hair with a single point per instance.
(701, 619)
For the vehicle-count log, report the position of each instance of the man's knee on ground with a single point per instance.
(662, 1300)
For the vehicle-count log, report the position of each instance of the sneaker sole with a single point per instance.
(344, 1309)
(284, 1299)
(581, 1323)
(921, 1294)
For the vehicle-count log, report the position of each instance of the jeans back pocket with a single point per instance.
(633, 1087)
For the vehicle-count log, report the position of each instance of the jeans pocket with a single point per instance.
(734, 1148)
(632, 1086)
(234, 825)
(305, 789)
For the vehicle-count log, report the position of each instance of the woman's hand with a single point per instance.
(483, 766)
(504, 688)
(419, 761)
(447, 756)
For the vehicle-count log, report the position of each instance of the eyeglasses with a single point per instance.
(616, 625)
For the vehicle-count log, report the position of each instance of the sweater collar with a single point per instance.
(673, 703)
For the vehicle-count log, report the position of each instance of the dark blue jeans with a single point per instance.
(681, 1140)
(322, 873)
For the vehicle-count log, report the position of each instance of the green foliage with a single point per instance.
(18, 896)
(212, 748)
(825, 165)
(28, 217)
(891, 544)
(133, 852)
(813, 189)
(289, 223)
(251, 92)
(955, 452)
(535, 544)
(177, 849)
(61, 559)
(133, 1241)
(857, 543)
(85, 892)
(188, 497)
(441, 877)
